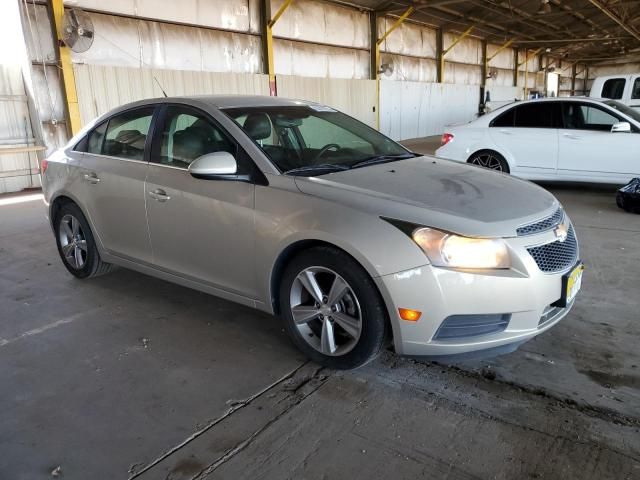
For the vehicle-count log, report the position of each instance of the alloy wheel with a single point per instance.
(326, 311)
(73, 242)
(487, 160)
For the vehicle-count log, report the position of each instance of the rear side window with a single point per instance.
(127, 134)
(613, 88)
(96, 138)
(537, 115)
(507, 119)
(635, 92)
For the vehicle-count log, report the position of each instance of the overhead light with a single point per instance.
(548, 50)
(545, 7)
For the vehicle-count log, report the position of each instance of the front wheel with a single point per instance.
(332, 309)
(489, 159)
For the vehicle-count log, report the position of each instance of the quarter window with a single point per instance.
(127, 134)
(507, 119)
(635, 93)
(96, 138)
(613, 88)
(187, 135)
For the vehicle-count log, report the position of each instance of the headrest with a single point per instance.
(258, 126)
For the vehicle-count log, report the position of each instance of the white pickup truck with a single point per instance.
(624, 88)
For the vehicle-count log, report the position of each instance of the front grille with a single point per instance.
(556, 256)
(541, 225)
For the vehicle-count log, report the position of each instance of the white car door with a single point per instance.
(590, 151)
(528, 134)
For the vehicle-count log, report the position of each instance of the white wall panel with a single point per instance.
(322, 22)
(614, 69)
(139, 43)
(101, 88)
(354, 97)
(239, 15)
(462, 74)
(413, 109)
(37, 33)
(412, 69)
(407, 39)
(467, 50)
(504, 58)
(304, 59)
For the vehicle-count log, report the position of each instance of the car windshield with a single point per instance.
(314, 139)
(621, 107)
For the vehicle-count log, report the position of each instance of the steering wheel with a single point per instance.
(324, 150)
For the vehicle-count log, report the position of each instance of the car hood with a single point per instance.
(456, 197)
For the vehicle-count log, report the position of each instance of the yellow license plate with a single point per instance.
(574, 282)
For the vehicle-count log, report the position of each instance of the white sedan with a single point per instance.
(570, 139)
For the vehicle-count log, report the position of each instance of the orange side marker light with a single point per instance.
(409, 315)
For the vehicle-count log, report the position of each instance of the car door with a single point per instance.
(588, 148)
(634, 101)
(113, 173)
(200, 229)
(528, 134)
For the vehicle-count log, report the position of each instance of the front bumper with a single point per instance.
(523, 295)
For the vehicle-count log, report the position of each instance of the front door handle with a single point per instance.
(506, 132)
(92, 178)
(571, 136)
(159, 195)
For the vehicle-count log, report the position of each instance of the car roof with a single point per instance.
(221, 101)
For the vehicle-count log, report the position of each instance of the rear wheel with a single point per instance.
(489, 159)
(76, 245)
(332, 309)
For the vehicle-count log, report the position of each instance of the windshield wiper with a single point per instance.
(323, 167)
(382, 159)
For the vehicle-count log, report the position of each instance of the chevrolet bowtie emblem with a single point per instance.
(561, 232)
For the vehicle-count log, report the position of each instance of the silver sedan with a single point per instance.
(301, 211)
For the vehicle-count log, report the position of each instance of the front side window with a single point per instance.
(635, 92)
(537, 115)
(613, 88)
(127, 134)
(188, 134)
(580, 116)
(300, 137)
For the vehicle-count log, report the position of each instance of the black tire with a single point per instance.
(372, 310)
(489, 159)
(92, 265)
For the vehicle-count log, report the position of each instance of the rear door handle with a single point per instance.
(506, 132)
(91, 178)
(159, 195)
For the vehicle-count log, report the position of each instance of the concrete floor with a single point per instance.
(126, 376)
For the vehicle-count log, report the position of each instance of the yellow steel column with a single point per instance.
(447, 50)
(67, 70)
(271, 69)
(395, 25)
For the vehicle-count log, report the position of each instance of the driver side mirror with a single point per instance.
(621, 127)
(216, 165)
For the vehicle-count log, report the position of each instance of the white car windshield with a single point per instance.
(312, 140)
(621, 107)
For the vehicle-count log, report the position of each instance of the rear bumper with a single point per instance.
(523, 297)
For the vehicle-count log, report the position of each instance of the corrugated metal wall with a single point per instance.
(354, 97)
(17, 170)
(321, 53)
(418, 109)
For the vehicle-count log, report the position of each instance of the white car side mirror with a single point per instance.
(621, 127)
(213, 165)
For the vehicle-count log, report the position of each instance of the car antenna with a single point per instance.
(161, 89)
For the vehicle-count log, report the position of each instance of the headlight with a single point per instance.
(449, 250)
